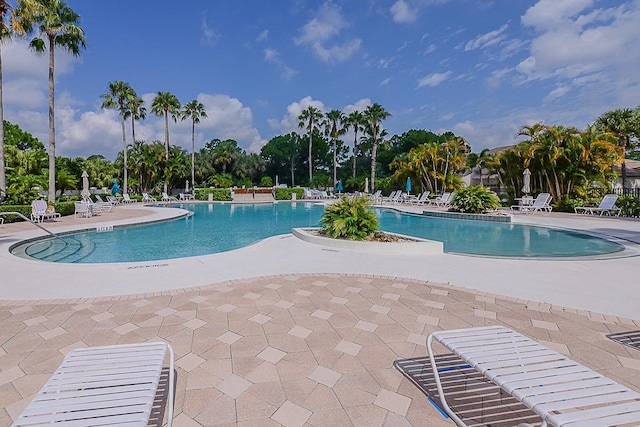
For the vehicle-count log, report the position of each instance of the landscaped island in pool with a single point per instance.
(222, 227)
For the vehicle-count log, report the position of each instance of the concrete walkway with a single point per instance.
(601, 285)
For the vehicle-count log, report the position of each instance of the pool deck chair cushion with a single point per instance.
(561, 391)
(99, 386)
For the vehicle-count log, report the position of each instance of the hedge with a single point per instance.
(219, 194)
(64, 208)
(285, 193)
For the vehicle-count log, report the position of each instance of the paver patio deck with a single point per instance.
(293, 350)
(304, 348)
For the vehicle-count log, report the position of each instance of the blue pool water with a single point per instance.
(222, 227)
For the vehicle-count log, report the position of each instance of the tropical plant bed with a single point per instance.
(380, 242)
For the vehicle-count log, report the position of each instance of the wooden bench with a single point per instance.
(561, 391)
(100, 386)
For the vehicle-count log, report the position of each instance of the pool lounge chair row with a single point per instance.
(399, 197)
(311, 194)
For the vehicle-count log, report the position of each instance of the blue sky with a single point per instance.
(481, 69)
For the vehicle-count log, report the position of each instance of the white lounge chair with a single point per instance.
(109, 385)
(168, 198)
(100, 206)
(542, 203)
(82, 210)
(40, 211)
(38, 208)
(146, 198)
(113, 200)
(562, 392)
(607, 206)
(127, 199)
(423, 199)
(444, 200)
(394, 197)
(375, 197)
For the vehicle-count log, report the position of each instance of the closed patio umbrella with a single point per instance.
(85, 185)
(339, 187)
(408, 186)
(366, 185)
(526, 181)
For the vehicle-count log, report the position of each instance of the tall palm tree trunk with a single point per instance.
(3, 178)
(374, 151)
(310, 162)
(355, 148)
(124, 153)
(52, 125)
(335, 166)
(133, 144)
(193, 155)
(166, 149)
(293, 175)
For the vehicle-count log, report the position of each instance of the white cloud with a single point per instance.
(264, 35)
(430, 49)
(321, 30)
(549, 14)
(484, 41)
(289, 123)
(359, 105)
(433, 79)
(558, 92)
(25, 74)
(580, 41)
(273, 56)
(99, 131)
(402, 12)
(209, 35)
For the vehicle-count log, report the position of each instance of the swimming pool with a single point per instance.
(217, 228)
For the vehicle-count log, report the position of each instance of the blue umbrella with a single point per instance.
(116, 188)
(408, 186)
(339, 186)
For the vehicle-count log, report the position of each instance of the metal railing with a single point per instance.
(34, 223)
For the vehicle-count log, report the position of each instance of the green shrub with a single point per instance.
(475, 199)
(266, 181)
(629, 206)
(349, 218)
(285, 193)
(219, 194)
(63, 208)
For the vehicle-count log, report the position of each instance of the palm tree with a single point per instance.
(373, 115)
(335, 121)
(355, 120)
(163, 104)
(193, 110)
(310, 118)
(116, 97)
(57, 24)
(6, 32)
(136, 110)
(224, 152)
(623, 124)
